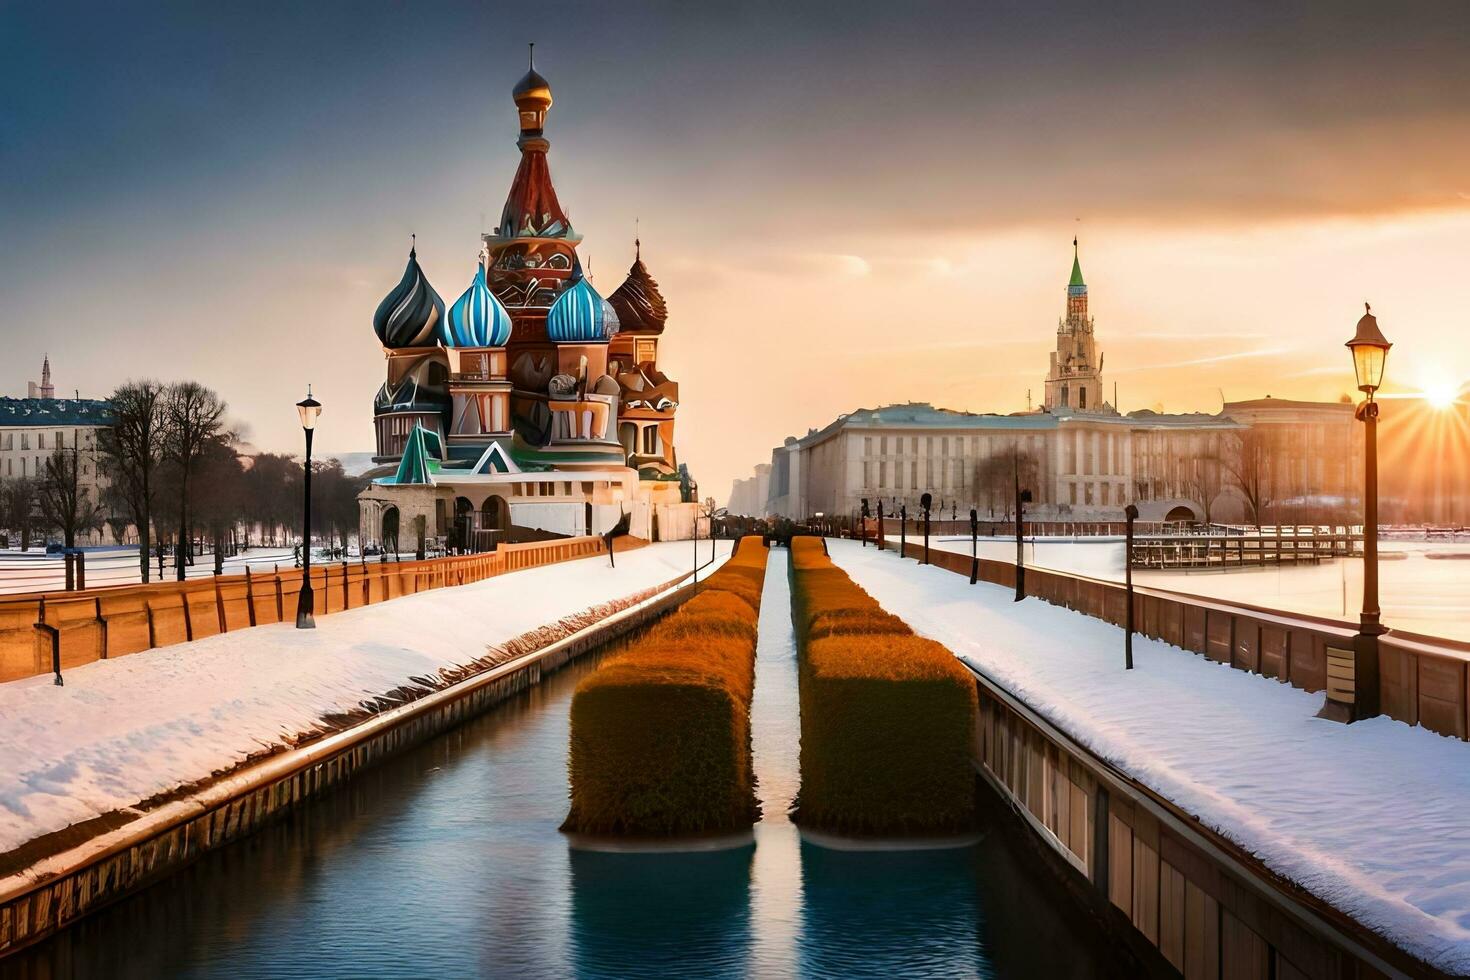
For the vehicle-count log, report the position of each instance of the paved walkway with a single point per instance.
(1370, 817)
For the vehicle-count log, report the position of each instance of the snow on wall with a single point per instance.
(1370, 817)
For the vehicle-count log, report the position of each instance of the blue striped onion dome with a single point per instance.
(410, 315)
(477, 318)
(579, 315)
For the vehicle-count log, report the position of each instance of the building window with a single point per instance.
(1072, 489)
(913, 445)
(882, 474)
(1081, 397)
(914, 475)
(1064, 398)
(1107, 489)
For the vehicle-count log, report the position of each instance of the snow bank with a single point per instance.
(1370, 817)
(124, 730)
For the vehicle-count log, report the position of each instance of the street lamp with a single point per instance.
(863, 527)
(1130, 512)
(926, 502)
(974, 546)
(1370, 352)
(308, 408)
(1023, 497)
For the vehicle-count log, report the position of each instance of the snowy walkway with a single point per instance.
(124, 730)
(1370, 817)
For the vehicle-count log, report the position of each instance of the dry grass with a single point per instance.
(887, 718)
(660, 742)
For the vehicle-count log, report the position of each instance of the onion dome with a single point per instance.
(578, 316)
(477, 318)
(532, 95)
(410, 315)
(639, 304)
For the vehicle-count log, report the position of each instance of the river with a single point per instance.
(446, 861)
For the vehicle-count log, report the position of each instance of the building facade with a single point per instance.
(1080, 458)
(531, 405)
(34, 428)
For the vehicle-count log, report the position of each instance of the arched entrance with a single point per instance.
(1180, 514)
(390, 530)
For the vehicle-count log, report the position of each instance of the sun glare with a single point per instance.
(1441, 394)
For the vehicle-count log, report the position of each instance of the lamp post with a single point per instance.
(903, 529)
(308, 408)
(863, 527)
(694, 495)
(1370, 352)
(926, 502)
(879, 542)
(1131, 513)
(974, 545)
(1023, 497)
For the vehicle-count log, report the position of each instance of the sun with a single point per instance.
(1441, 394)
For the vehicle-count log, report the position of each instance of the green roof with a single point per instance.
(1076, 267)
(418, 462)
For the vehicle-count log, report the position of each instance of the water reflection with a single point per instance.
(661, 914)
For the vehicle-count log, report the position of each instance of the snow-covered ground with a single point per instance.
(1370, 817)
(1422, 588)
(124, 730)
(36, 571)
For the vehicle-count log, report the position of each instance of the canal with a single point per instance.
(446, 861)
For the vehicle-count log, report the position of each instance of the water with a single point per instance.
(446, 862)
(1424, 586)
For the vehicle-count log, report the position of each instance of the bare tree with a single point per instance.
(66, 504)
(1249, 466)
(18, 507)
(193, 419)
(1205, 476)
(997, 475)
(132, 451)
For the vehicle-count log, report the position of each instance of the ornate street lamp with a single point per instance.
(1370, 353)
(308, 408)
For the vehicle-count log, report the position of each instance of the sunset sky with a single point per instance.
(845, 204)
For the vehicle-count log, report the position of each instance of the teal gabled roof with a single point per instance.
(420, 461)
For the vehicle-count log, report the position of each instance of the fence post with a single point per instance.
(219, 602)
(101, 624)
(346, 601)
(55, 636)
(250, 595)
(188, 616)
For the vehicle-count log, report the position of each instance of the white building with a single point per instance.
(32, 429)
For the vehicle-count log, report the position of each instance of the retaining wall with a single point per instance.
(1199, 901)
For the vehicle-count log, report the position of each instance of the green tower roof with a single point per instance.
(1076, 267)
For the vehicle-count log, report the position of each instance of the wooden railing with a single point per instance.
(1422, 680)
(53, 632)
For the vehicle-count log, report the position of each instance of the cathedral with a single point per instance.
(531, 406)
